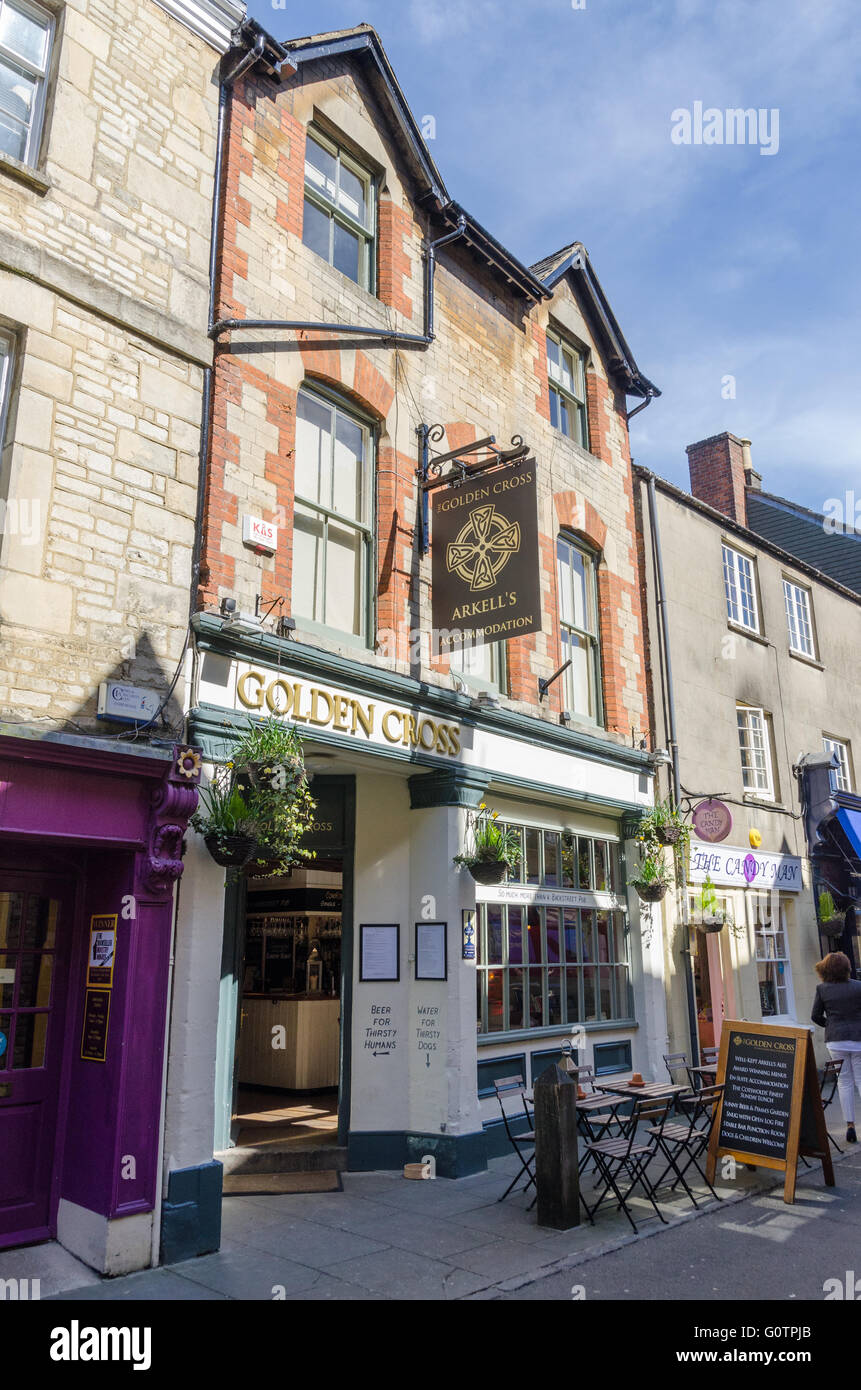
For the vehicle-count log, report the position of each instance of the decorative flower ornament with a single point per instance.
(188, 763)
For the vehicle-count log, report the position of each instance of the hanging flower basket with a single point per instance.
(835, 926)
(231, 851)
(668, 834)
(712, 921)
(651, 892)
(488, 870)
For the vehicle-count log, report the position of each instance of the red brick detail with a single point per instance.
(396, 503)
(395, 228)
(601, 407)
(578, 515)
(542, 400)
(717, 474)
(371, 386)
(458, 434)
(319, 359)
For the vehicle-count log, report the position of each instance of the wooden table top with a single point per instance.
(652, 1090)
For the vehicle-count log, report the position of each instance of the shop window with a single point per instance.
(772, 957)
(566, 372)
(332, 535)
(578, 626)
(552, 1057)
(495, 1068)
(26, 33)
(754, 737)
(799, 619)
(841, 777)
(340, 209)
(554, 967)
(5, 382)
(739, 578)
(611, 1057)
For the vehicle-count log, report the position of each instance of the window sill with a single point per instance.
(25, 173)
(806, 660)
(554, 1030)
(748, 632)
(756, 799)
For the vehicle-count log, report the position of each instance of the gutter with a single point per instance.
(672, 740)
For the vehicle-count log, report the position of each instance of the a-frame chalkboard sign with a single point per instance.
(771, 1108)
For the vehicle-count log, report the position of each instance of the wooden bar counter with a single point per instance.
(309, 1059)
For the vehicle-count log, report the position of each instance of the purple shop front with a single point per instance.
(90, 850)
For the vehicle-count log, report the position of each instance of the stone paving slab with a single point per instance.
(387, 1238)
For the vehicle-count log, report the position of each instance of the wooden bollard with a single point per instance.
(556, 1173)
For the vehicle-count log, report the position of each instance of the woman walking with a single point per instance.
(837, 1009)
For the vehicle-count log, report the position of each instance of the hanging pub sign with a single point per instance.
(712, 820)
(485, 566)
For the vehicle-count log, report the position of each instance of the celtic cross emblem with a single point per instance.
(483, 547)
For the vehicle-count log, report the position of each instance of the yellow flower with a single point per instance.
(495, 815)
(483, 806)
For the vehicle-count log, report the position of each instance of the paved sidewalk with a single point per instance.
(385, 1237)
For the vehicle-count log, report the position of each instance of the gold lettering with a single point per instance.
(286, 690)
(248, 700)
(410, 735)
(454, 738)
(363, 717)
(442, 744)
(429, 726)
(317, 695)
(297, 697)
(342, 706)
(391, 714)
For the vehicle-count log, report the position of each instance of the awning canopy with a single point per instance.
(850, 824)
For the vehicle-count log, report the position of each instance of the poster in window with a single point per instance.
(103, 948)
(485, 559)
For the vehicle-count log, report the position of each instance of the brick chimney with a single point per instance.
(717, 468)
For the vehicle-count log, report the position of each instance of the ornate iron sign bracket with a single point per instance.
(430, 470)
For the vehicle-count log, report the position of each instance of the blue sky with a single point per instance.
(553, 124)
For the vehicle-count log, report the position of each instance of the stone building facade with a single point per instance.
(344, 335)
(763, 651)
(107, 153)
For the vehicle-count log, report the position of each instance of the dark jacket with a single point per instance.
(837, 1009)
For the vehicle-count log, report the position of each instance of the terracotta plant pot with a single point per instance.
(231, 851)
(651, 892)
(488, 871)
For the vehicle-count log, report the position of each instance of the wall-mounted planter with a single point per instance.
(668, 834)
(835, 926)
(489, 871)
(651, 892)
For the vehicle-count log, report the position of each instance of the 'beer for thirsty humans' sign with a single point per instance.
(771, 1108)
(486, 581)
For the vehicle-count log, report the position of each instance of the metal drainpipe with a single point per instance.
(661, 599)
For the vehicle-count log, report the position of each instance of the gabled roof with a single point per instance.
(803, 533)
(574, 258)
(364, 44)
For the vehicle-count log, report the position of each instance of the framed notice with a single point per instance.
(770, 1112)
(380, 951)
(431, 951)
(103, 949)
(94, 1038)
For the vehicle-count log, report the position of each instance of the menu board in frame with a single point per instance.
(380, 951)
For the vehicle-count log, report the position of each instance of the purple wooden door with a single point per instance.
(35, 913)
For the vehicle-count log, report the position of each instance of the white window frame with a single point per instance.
(39, 74)
(365, 529)
(365, 232)
(592, 637)
(799, 619)
(768, 937)
(735, 564)
(7, 351)
(841, 778)
(757, 723)
(497, 680)
(569, 397)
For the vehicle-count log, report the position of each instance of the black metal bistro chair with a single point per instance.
(630, 1155)
(522, 1141)
(828, 1089)
(689, 1138)
(677, 1064)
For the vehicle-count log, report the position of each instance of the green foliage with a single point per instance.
(222, 810)
(489, 843)
(827, 909)
(664, 818)
(652, 871)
